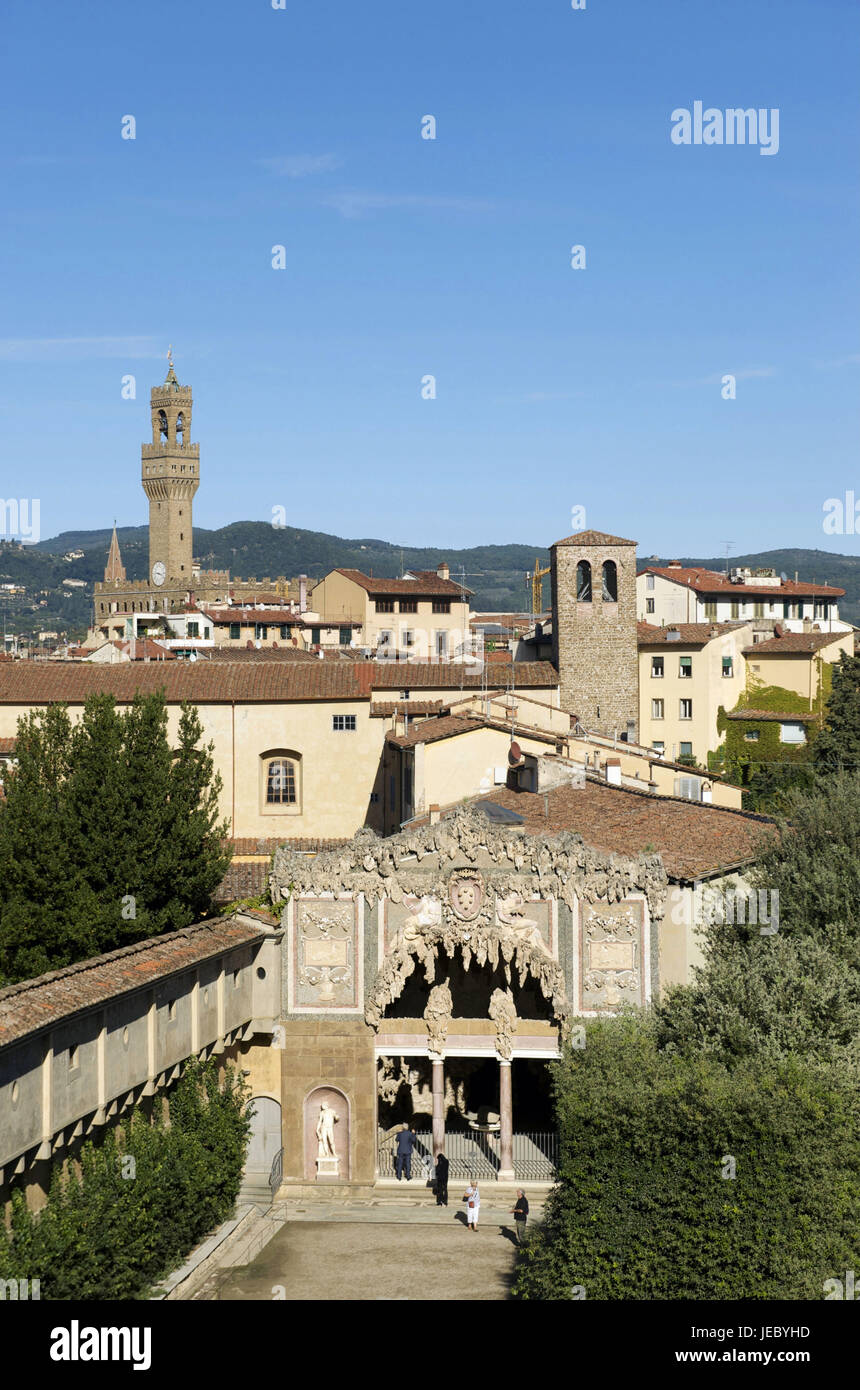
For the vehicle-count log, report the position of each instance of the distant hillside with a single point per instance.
(495, 573)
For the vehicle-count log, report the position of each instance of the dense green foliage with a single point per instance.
(108, 835)
(758, 1060)
(753, 754)
(838, 744)
(142, 1200)
(647, 1207)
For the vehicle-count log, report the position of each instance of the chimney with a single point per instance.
(434, 814)
(612, 768)
(443, 571)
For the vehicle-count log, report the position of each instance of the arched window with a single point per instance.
(162, 423)
(610, 582)
(280, 781)
(180, 426)
(583, 582)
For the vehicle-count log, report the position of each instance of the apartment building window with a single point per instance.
(711, 610)
(345, 636)
(728, 666)
(235, 632)
(792, 733)
(685, 670)
(374, 798)
(315, 636)
(685, 750)
(261, 632)
(341, 723)
(649, 605)
(384, 639)
(820, 610)
(758, 610)
(442, 643)
(193, 629)
(736, 609)
(649, 581)
(751, 736)
(800, 611)
(685, 710)
(441, 605)
(286, 632)
(659, 746)
(657, 667)
(657, 707)
(409, 605)
(281, 781)
(408, 637)
(385, 605)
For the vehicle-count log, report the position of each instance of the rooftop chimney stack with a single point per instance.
(443, 571)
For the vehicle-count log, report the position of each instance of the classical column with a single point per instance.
(438, 1105)
(506, 1116)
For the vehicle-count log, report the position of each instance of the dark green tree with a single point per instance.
(838, 744)
(108, 834)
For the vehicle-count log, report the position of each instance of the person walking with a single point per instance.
(472, 1198)
(405, 1145)
(520, 1214)
(442, 1166)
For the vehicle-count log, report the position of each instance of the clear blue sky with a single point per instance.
(408, 257)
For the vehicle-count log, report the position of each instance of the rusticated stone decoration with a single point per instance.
(414, 868)
(440, 1007)
(612, 955)
(503, 1012)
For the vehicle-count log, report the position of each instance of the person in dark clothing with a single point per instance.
(441, 1180)
(405, 1145)
(520, 1215)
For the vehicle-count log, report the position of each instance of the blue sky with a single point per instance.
(407, 257)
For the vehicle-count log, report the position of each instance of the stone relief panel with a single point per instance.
(324, 942)
(614, 950)
(530, 919)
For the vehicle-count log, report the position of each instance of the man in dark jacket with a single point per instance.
(405, 1145)
(441, 1180)
(521, 1215)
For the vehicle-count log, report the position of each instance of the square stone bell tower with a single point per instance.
(594, 643)
(170, 473)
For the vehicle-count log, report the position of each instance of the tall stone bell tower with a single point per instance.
(170, 472)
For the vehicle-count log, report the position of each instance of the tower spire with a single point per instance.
(114, 569)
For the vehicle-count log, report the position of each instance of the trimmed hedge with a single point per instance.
(144, 1197)
(642, 1209)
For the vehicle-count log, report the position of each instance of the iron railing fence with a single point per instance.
(472, 1153)
(276, 1173)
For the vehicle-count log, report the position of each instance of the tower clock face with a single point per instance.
(159, 573)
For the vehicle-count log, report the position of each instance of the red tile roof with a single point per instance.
(37, 1003)
(202, 682)
(788, 716)
(386, 709)
(600, 538)
(693, 839)
(142, 649)
(691, 634)
(426, 584)
(705, 581)
(451, 725)
(802, 643)
(415, 675)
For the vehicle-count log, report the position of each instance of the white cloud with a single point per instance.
(299, 166)
(359, 204)
(72, 349)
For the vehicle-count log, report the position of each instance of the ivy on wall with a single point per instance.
(764, 766)
(137, 1202)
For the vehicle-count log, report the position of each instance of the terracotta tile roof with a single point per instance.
(694, 839)
(385, 710)
(592, 538)
(705, 581)
(803, 643)
(267, 847)
(426, 584)
(273, 653)
(142, 649)
(414, 675)
(269, 617)
(203, 682)
(452, 725)
(37, 1003)
(691, 634)
(790, 716)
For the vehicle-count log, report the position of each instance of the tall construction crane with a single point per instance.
(536, 580)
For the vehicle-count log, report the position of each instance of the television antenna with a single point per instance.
(728, 545)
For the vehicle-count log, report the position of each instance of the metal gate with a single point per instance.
(473, 1153)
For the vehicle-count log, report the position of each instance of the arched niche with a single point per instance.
(338, 1101)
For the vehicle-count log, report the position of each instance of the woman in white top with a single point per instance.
(472, 1199)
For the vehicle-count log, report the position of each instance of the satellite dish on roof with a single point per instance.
(784, 577)
(515, 754)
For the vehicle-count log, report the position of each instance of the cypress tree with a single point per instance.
(838, 744)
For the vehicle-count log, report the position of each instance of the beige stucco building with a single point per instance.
(423, 615)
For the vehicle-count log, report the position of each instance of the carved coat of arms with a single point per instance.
(466, 894)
